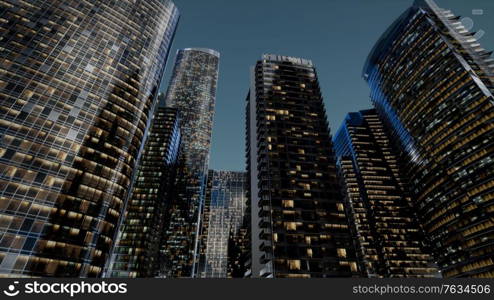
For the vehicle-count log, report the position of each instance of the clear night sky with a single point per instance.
(336, 34)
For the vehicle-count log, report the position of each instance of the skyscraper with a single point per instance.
(78, 86)
(432, 84)
(224, 210)
(388, 238)
(192, 91)
(299, 226)
(137, 253)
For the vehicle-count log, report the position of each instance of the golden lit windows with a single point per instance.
(291, 226)
(309, 252)
(294, 264)
(288, 203)
(341, 252)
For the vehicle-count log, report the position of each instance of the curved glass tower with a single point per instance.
(78, 85)
(433, 85)
(192, 91)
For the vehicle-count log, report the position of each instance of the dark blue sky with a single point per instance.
(336, 34)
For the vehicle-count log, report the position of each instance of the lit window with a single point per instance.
(288, 203)
(291, 226)
(341, 252)
(294, 264)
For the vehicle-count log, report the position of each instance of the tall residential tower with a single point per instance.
(433, 86)
(387, 235)
(78, 85)
(299, 227)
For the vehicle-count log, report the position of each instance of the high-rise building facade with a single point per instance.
(223, 213)
(137, 253)
(299, 227)
(192, 91)
(433, 84)
(388, 238)
(239, 248)
(78, 85)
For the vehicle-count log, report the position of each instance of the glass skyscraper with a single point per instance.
(432, 83)
(387, 235)
(239, 247)
(299, 227)
(78, 85)
(137, 253)
(223, 215)
(192, 91)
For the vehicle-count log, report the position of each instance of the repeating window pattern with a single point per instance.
(386, 232)
(192, 91)
(433, 85)
(137, 253)
(298, 226)
(78, 84)
(223, 214)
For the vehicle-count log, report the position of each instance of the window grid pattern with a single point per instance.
(137, 253)
(192, 91)
(385, 228)
(223, 215)
(78, 84)
(298, 228)
(433, 85)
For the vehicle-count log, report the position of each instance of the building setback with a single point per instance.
(137, 253)
(388, 238)
(78, 92)
(192, 91)
(223, 215)
(299, 227)
(433, 84)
